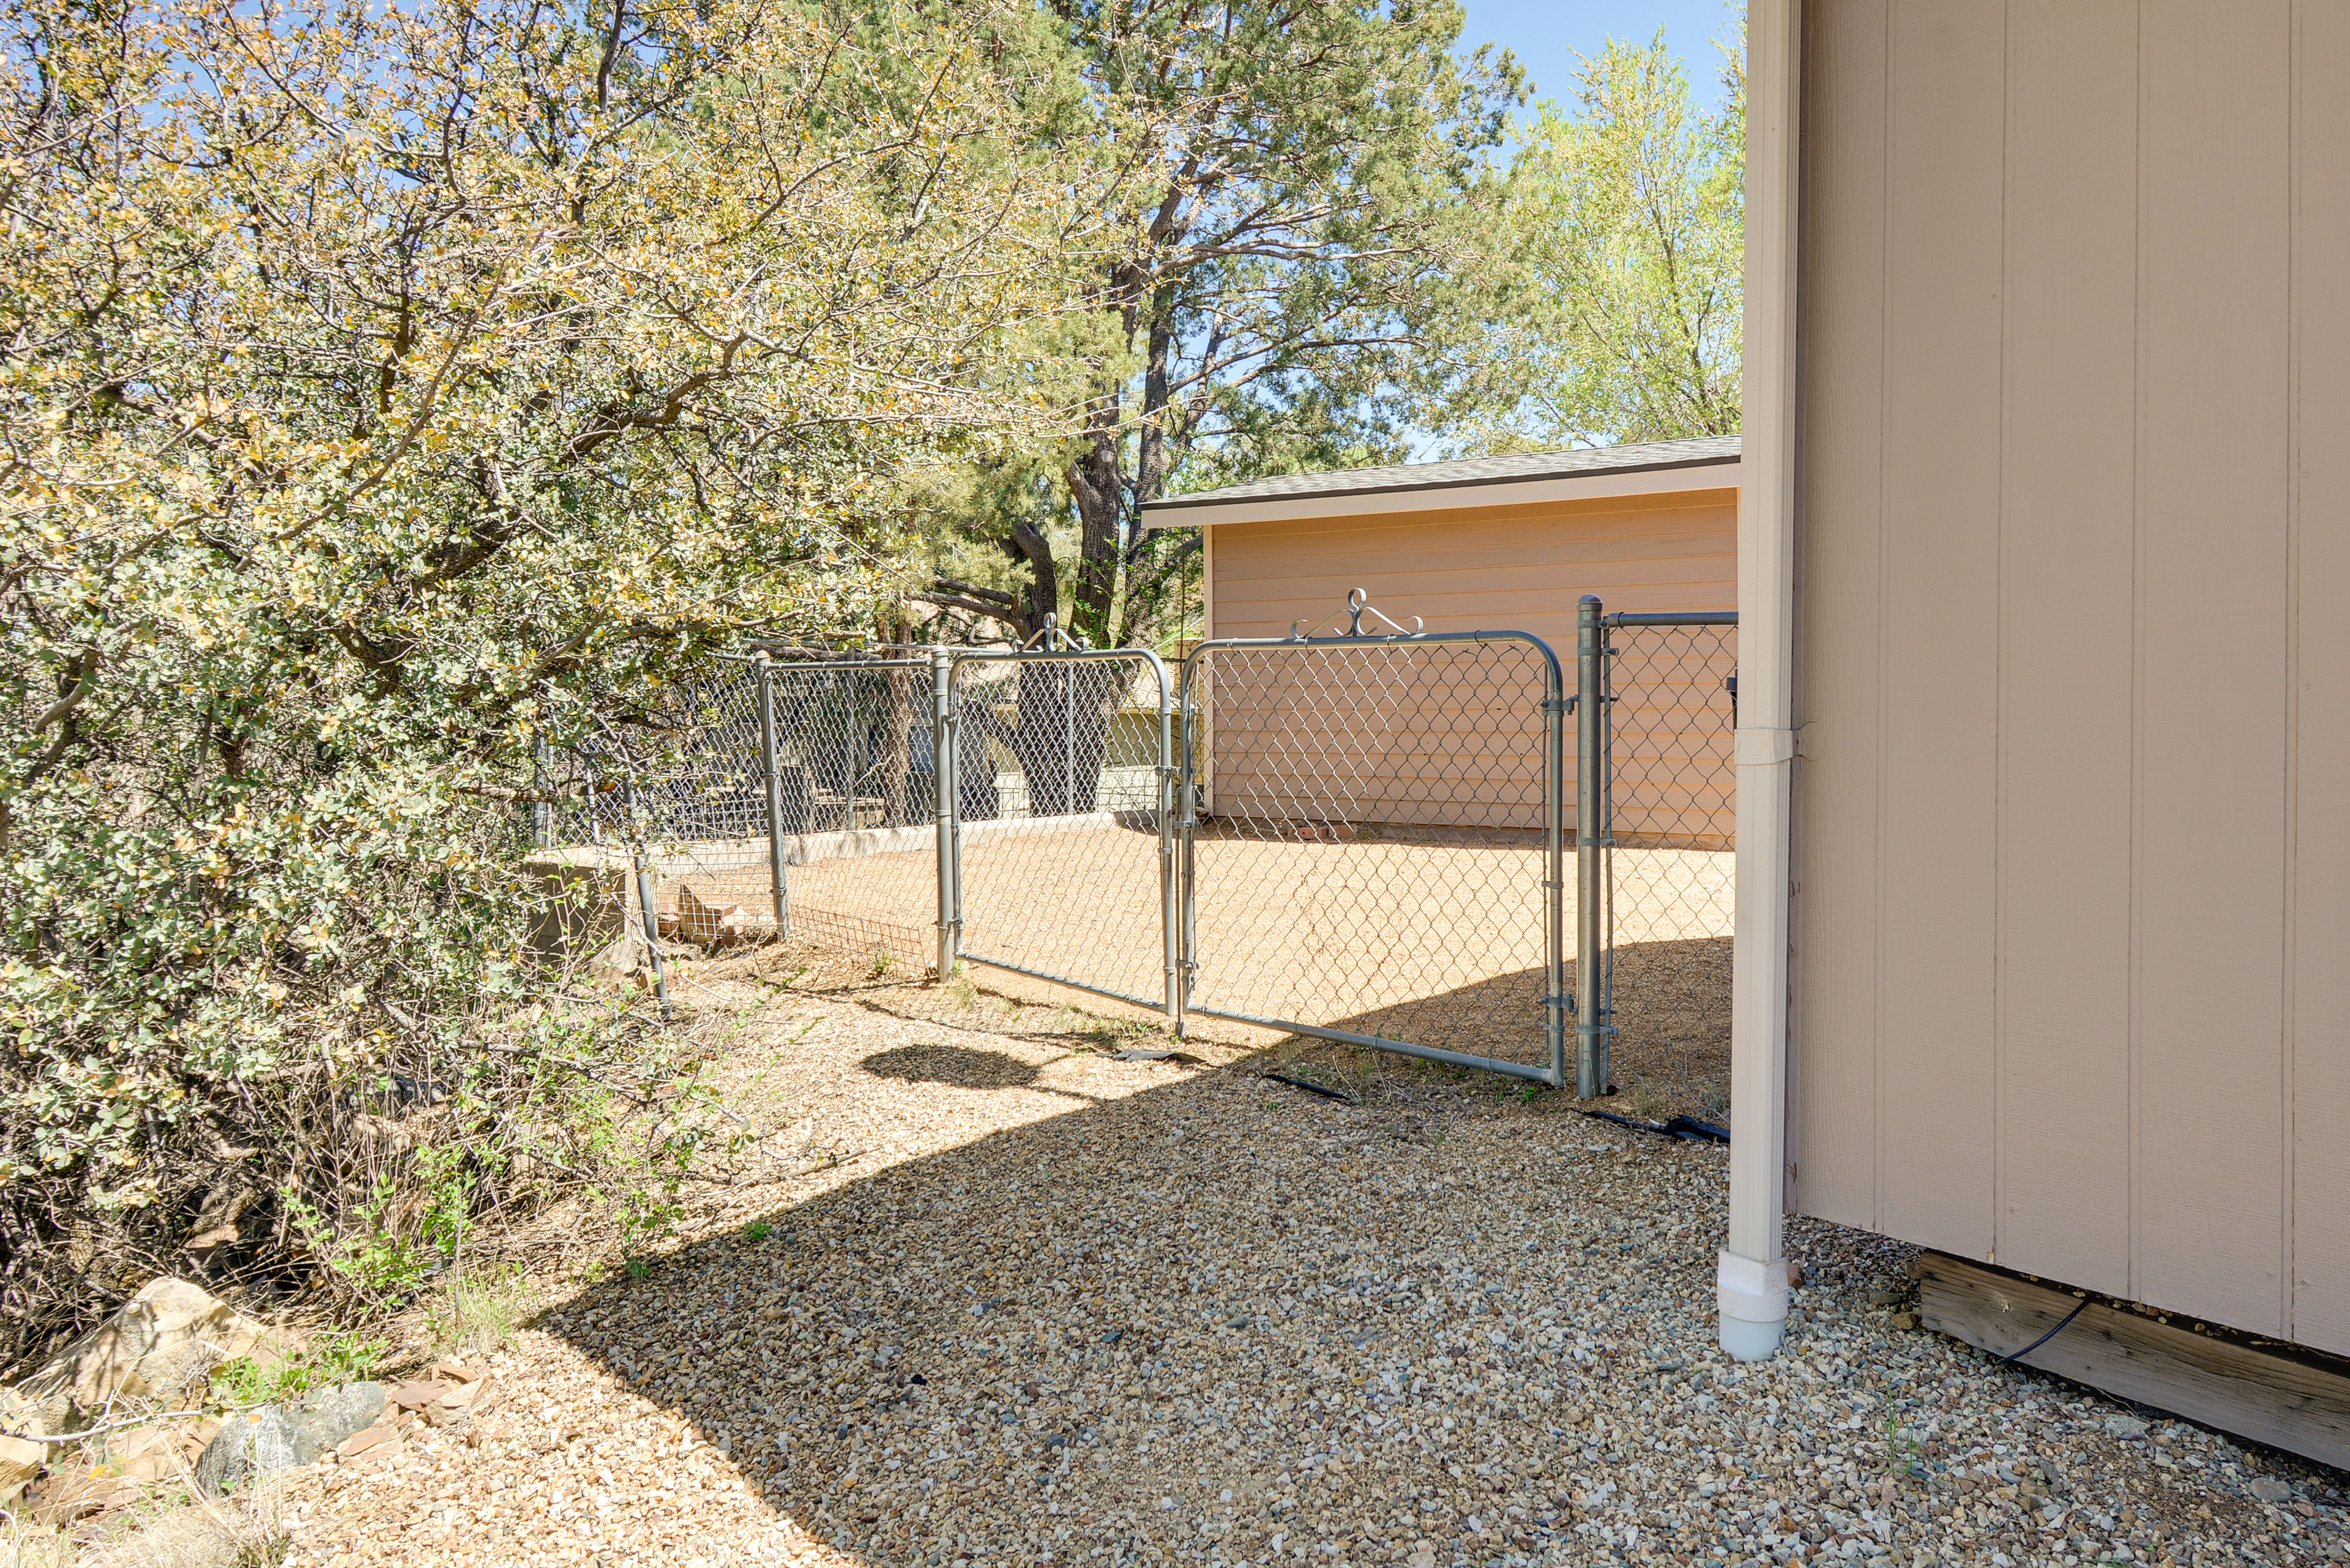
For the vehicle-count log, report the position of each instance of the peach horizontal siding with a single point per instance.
(1443, 741)
(2070, 931)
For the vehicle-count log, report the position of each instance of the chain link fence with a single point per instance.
(1067, 875)
(1671, 806)
(1371, 846)
(1368, 843)
(856, 805)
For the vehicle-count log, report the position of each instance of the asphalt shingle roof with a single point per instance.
(1513, 469)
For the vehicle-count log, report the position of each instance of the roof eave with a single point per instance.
(1656, 478)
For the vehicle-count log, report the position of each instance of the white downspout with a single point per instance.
(1752, 1281)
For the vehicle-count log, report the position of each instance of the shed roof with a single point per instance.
(1418, 478)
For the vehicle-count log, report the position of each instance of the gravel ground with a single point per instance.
(1051, 1306)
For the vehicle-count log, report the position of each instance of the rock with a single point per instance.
(20, 1461)
(360, 1443)
(627, 954)
(284, 1437)
(2269, 1489)
(716, 925)
(2125, 1427)
(165, 1337)
(456, 1403)
(415, 1395)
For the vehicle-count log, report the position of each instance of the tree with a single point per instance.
(385, 391)
(1613, 312)
(1277, 184)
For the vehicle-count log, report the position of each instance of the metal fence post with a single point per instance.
(1186, 810)
(771, 760)
(949, 787)
(1591, 716)
(1170, 941)
(1556, 705)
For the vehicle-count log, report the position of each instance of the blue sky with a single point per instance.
(1547, 35)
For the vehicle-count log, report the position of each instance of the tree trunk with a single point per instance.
(897, 760)
(1062, 737)
(1098, 483)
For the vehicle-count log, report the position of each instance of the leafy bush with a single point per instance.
(391, 393)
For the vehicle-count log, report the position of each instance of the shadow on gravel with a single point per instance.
(1160, 1329)
(1670, 1052)
(958, 1066)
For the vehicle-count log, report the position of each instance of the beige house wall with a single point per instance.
(2072, 973)
(1518, 567)
(1521, 567)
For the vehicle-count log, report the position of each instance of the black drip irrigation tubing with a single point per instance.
(2044, 1338)
(1309, 1088)
(1688, 1128)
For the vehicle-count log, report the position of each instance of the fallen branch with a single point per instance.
(62, 1439)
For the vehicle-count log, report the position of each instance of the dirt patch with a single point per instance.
(1437, 938)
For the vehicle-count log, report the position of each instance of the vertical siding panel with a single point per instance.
(2320, 1072)
(1942, 501)
(2213, 266)
(1834, 1095)
(2067, 580)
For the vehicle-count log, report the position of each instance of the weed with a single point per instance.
(403, 1233)
(480, 1309)
(757, 1230)
(187, 1529)
(1899, 1445)
(638, 1267)
(884, 961)
(326, 1358)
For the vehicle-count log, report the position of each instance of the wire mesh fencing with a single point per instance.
(1370, 843)
(1671, 800)
(856, 807)
(680, 790)
(1060, 862)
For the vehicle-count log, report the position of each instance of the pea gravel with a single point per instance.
(1052, 1307)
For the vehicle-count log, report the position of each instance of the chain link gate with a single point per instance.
(1367, 843)
(1667, 787)
(1371, 842)
(1058, 853)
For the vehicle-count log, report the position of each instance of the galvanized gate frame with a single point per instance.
(1556, 704)
(1595, 779)
(946, 730)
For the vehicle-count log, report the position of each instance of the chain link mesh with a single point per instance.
(1372, 848)
(686, 783)
(1063, 864)
(1371, 852)
(859, 804)
(1672, 803)
(689, 784)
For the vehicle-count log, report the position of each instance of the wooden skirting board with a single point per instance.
(2284, 1400)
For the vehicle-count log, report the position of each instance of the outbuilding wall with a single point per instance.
(1520, 568)
(2072, 973)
